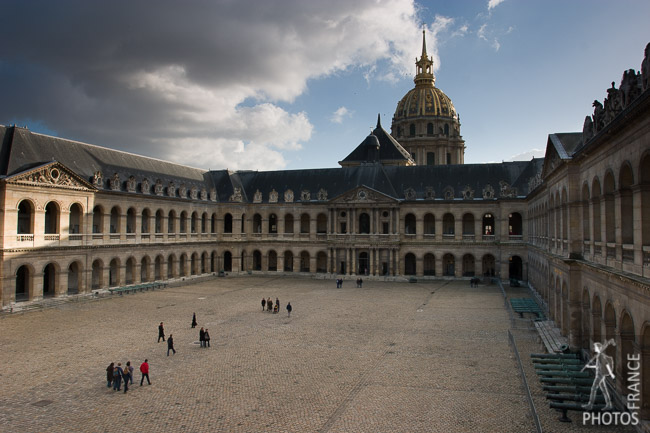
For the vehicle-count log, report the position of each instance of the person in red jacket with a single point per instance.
(144, 369)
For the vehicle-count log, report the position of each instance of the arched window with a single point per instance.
(171, 222)
(429, 224)
(321, 262)
(321, 223)
(488, 225)
(409, 224)
(468, 224)
(273, 224)
(227, 261)
(74, 278)
(51, 218)
(288, 261)
(429, 128)
(304, 261)
(194, 222)
(446, 129)
(130, 220)
(213, 224)
(514, 224)
(468, 265)
(227, 223)
(364, 223)
(183, 222)
(273, 261)
(288, 223)
(626, 181)
(25, 217)
(144, 269)
(409, 264)
(610, 217)
(204, 222)
(76, 219)
(97, 281)
(412, 130)
(431, 158)
(429, 264)
(115, 220)
(304, 223)
(146, 217)
(448, 225)
(98, 219)
(257, 260)
(159, 220)
(257, 223)
(23, 283)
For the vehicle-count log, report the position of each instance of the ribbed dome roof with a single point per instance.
(425, 101)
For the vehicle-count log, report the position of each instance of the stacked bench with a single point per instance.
(526, 305)
(567, 386)
(551, 336)
(135, 288)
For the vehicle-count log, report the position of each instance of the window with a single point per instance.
(431, 158)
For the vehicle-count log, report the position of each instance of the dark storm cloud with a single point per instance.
(165, 78)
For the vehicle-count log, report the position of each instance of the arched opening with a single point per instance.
(514, 224)
(412, 130)
(595, 206)
(130, 220)
(273, 261)
(448, 265)
(213, 223)
(304, 261)
(429, 224)
(183, 222)
(158, 268)
(242, 261)
(610, 328)
(448, 225)
(489, 265)
(227, 223)
(76, 219)
(610, 218)
(321, 262)
(144, 269)
(304, 223)
(194, 265)
(97, 275)
(515, 268)
(626, 180)
(115, 220)
(129, 275)
(183, 268)
(171, 266)
(409, 224)
(227, 261)
(49, 280)
(468, 224)
(74, 278)
(288, 223)
(627, 347)
(257, 223)
(144, 221)
(204, 222)
(257, 260)
(288, 261)
(488, 225)
(468, 265)
(273, 223)
(446, 130)
(25, 218)
(159, 220)
(429, 129)
(596, 320)
(243, 223)
(586, 319)
(363, 263)
(194, 222)
(364, 223)
(431, 158)
(51, 218)
(204, 263)
(429, 264)
(171, 222)
(586, 233)
(214, 262)
(98, 219)
(321, 223)
(23, 283)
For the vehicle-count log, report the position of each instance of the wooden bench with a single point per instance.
(120, 290)
(136, 287)
(551, 336)
(526, 305)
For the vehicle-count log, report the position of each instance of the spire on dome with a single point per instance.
(424, 66)
(424, 44)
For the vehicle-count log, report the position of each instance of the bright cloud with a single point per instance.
(339, 115)
(204, 90)
(494, 3)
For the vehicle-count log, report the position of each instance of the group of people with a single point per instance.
(275, 307)
(115, 374)
(359, 282)
(204, 335)
(339, 283)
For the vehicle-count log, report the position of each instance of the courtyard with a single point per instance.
(388, 357)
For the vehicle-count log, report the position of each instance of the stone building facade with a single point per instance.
(575, 224)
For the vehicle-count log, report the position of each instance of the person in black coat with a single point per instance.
(263, 303)
(206, 338)
(194, 321)
(289, 308)
(109, 375)
(161, 332)
(170, 345)
(202, 337)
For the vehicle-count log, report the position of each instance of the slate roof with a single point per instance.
(22, 150)
(390, 151)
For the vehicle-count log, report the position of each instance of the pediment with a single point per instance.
(551, 159)
(51, 175)
(363, 195)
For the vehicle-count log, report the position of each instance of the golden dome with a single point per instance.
(425, 101)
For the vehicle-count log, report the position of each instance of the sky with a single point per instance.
(298, 84)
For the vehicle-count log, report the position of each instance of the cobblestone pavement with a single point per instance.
(390, 357)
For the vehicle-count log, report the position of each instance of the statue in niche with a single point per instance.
(273, 196)
(204, 194)
(507, 190)
(468, 193)
(194, 193)
(98, 179)
(305, 195)
(288, 196)
(448, 193)
(171, 189)
(322, 194)
(409, 194)
(236, 195)
(115, 182)
(130, 184)
(488, 192)
(213, 194)
(257, 197)
(158, 188)
(182, 191)
(429, 193)
(144, 186)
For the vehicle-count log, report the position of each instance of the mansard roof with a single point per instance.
(22, 150)
(390, 151)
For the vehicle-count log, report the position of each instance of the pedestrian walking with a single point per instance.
(202, 337)
(161, 332)
(144, 369)
(126, 375)
(109, 374)
(277, 303)
(131, 370)
(117, 377)
(206, 338)
(289, 308)
(170, 345)
(360, 282)
(269, 304)
(263, 303)
(194, 321)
